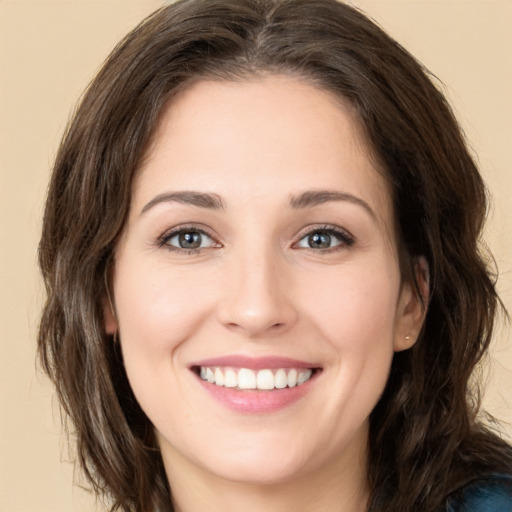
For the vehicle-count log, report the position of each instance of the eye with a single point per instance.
(188, 239)
(325, 238)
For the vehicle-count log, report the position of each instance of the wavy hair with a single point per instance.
(425, 439)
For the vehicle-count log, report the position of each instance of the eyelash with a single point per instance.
(163, 240)
(345, 239)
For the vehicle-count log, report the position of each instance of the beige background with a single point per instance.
(49, 50)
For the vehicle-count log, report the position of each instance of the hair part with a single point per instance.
(425, 441)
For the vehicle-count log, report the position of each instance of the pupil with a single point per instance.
(319, 240)
(190, 240)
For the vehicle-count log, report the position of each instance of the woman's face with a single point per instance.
(257, 289)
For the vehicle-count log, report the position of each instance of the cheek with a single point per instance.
(355, 308)
(159, 307)
(354, 312)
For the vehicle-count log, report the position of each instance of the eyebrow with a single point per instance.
(306, 199)
(199, 199)
(311, 198)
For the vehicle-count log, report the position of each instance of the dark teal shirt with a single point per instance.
(494, 494)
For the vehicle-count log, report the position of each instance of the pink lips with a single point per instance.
(255, 363)
(255, 401)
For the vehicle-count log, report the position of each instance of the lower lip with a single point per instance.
(257, 401)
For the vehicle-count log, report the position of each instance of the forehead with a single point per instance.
(278, 134)
(277, 101)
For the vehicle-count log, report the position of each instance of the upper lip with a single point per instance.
(254, 363)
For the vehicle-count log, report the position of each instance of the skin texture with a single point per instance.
(256, 288)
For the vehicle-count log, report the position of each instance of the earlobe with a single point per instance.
(413, 306)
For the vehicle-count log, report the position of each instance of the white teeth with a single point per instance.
(230, 379)
(265, 379)
(280, 381)
(292, 378)
(303, 377)
(245, 378)
(210, 376)
(219, 377)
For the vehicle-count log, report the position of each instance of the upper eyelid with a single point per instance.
(324, 227)
(336, 230)
(167, 235)
(345, 238)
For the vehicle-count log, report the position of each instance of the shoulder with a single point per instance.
(491, 494)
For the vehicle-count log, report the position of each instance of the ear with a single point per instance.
(412, 307)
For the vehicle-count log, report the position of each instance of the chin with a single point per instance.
(260, 470)
(251, 460)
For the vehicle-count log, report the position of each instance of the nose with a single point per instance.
(258, 297)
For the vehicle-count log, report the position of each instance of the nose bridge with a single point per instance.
(255, 300)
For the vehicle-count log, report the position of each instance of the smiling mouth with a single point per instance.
(246, 379)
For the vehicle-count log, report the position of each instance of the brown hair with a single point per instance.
(425, 440)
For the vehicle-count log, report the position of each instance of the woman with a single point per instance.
(264, 283)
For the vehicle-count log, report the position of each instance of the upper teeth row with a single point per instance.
(245, 378)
